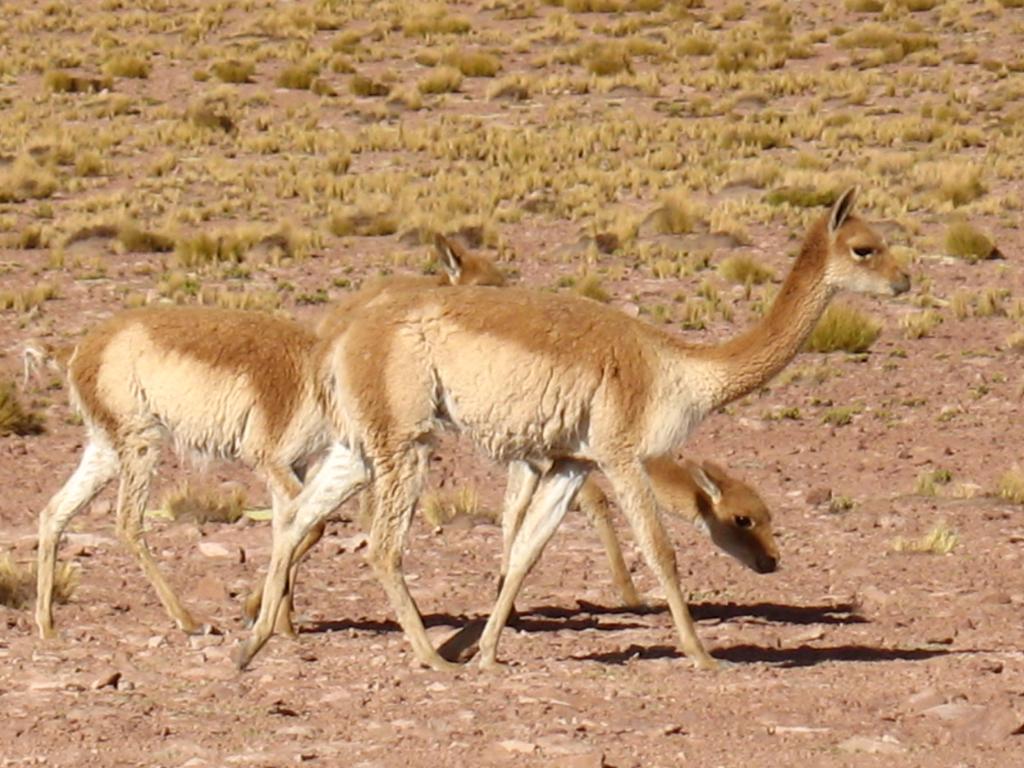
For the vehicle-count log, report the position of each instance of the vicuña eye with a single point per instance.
(863, 251)
(743, 522)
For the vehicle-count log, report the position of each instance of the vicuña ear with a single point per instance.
(451, 258)
(706, 484)
(842, 208)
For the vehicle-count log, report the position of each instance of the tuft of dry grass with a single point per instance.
(607, 59)
(928, 482)
(1011, 485)
(844, 328)
(969, 244)
(473, 63)
(360, 85)
(233, 71)
(439, 510)
(18, 583)
(297, 77)
(744, 270)
(14, 418)
(201, 505)
(26, 180)
(802, 197)
(677, 214)
(917, 325)
(940, 540)
(441, 80)
(434, 21)
(59, 81)
(363, 223)
(28, 299)
(126, 65)
(589, 286)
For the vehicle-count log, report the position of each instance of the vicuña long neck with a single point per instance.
(754, 357)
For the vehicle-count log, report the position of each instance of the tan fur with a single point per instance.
(563, 383)
(222, 382)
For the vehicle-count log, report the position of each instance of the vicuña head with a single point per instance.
(728, 510)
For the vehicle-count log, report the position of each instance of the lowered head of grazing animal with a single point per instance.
(728, 510)
(858, 258)
(464, 268)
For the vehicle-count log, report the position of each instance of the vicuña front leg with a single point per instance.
(636, 498)
(342, 474)
(396, 489)
(98, 467)
(549, 505)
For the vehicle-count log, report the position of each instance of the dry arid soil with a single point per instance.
(663, 156)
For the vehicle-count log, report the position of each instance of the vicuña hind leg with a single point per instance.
(634, 494)
(396, 488)
(138, 459)
(549, 505)
(519, 489)
(594, 504)
(98, 466)
(341, 474)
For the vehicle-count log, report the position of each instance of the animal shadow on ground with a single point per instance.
(800, 656)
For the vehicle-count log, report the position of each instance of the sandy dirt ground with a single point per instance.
(855, 653)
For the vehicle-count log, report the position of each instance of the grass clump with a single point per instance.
(126, 65)
(27, 298)
(434, 21)
(439, 510)
(297, 77)
(959, 184)
(968, 243)
(18, 583)
(363, 223)
(233, 71)
(864, 6)
(26, 180)
(203, 249)
(928, 482)
(203, 505)
(841, 416)
(940, 540)
(607, 59)
(59, 81)
(361, 85)
(677, 214)
(917, 325)
(1011, 485)
(744, 270)
(589, 286)
(441, 80)
(14, 419)
(802, 197)
(473, 63)
(741, 56)
(844, 328)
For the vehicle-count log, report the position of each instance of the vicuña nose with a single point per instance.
(766, 564)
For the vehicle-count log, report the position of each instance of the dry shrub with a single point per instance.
(744, 270)
(441, 80)
(18, 583)
(233, 71)
(363, 223)
(677, 214)
(473, 63)
(14, 419)
(940, 540)
(26, 180)
(844, 328)
(126, 65)
(439, 510)
(968, 243)
(298, 77)
(204, 505)
(28, 298)
(1011, 485)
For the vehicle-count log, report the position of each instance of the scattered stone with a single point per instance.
(353, 543)
(517, 746)
(925, 699)
(887, 745)
(818, 496)
(215, 549)
(109, 680)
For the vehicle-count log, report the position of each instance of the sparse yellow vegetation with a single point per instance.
(844, 328)
(126, 65)
(192, 503)
(441, 80)
(940, 540)
(441, 509)
(28, 299)
(14, 418)
(18, 583)
(233, 70)
(744, 270)
(969, 243)
(1011, 485)
(917, 325)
